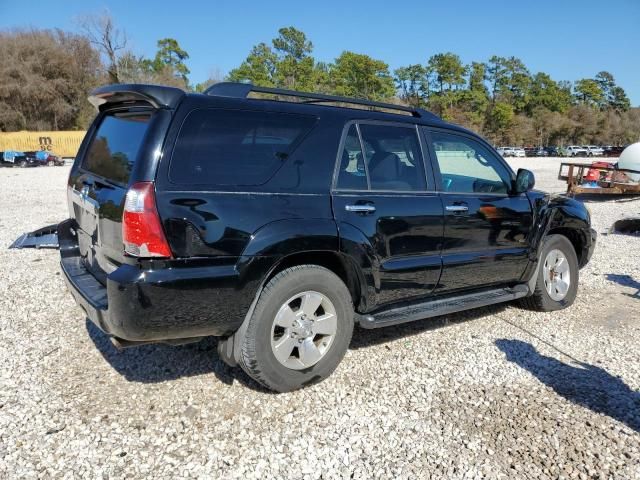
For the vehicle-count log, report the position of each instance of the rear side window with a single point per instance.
(352, 174)
(235, 147)
(392, 159)
(114, 148)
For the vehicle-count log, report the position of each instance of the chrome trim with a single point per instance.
(360, 208)
(456, 208)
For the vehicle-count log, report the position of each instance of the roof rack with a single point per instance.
(242, 90)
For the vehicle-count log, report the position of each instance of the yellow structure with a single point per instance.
(63, 144)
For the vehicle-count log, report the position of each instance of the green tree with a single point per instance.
(293, 43)
(258, 68)
(614, 96)
(618, 99)
(477, 75)
(358, 75)
(547, 93)
(448, 71)
(589, 92)
(412, 83)
(294, 66)
(499, 119)
(170, 57)
(496, 75)
(517, 83)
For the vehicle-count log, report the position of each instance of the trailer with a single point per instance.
(598, 178)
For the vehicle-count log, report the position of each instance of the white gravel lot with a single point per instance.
(492, 393)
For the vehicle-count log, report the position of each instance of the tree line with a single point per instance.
(47, 73)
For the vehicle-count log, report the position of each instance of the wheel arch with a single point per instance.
(334, 261)
(575, 237)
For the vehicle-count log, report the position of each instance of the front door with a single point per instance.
(382, 198)
(486, 229)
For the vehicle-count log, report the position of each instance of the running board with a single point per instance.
(441, 306)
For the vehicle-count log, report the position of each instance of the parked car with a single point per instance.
(48, 158)
(593, 150)
(611, 151)
(501, 151)
(577, 151)
(535, 152)
(221, 214)
(519, 152)
(14, 158)
(555, 151)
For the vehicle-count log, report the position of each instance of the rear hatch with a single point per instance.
(98, 186)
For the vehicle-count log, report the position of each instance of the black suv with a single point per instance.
(279, 222)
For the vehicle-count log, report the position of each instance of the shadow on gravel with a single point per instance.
(159, 363)
(625, 281)
(363, 337)
(585, 385)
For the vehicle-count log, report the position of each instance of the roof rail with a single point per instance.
(242, 90)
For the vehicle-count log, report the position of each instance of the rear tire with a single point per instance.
(286, 319)
(557, 271)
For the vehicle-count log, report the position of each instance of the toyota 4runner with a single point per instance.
(277, 220)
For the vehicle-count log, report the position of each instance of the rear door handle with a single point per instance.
(457, 208)
(360, 208)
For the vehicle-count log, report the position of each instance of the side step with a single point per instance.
(441, 306)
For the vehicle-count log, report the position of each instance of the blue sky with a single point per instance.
(568, 39)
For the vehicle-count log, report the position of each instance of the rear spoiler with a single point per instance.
(155, 95)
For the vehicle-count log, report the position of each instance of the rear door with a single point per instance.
(98, 184)
(382, 197)
(486, 229)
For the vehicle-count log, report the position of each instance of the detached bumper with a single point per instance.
(178, 301)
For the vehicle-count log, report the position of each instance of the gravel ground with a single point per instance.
(492, 393)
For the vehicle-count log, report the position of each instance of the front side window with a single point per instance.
(467, 166)
(235, 147)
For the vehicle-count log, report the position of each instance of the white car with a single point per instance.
(519, 152)
(593, 150)
(576, 151)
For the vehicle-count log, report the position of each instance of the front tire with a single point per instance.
(300, 329)
(557, 278)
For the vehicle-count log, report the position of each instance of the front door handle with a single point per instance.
(457, 208)
(367, 208)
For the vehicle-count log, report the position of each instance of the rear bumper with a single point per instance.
(164, 301)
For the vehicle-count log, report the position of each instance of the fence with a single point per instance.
(63, 144)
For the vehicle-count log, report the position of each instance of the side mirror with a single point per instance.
(525, 181)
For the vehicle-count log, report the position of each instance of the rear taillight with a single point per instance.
(142, 232)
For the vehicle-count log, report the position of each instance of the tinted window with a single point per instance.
(231, 147)
(466, 166)
(394, 158)
(114, 148)
(352, 174)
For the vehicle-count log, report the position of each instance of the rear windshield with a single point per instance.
(114, 148)
(235, 147)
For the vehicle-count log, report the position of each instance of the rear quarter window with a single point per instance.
(114, 148)
(235, 147)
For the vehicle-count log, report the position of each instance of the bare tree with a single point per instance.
(102, 32)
